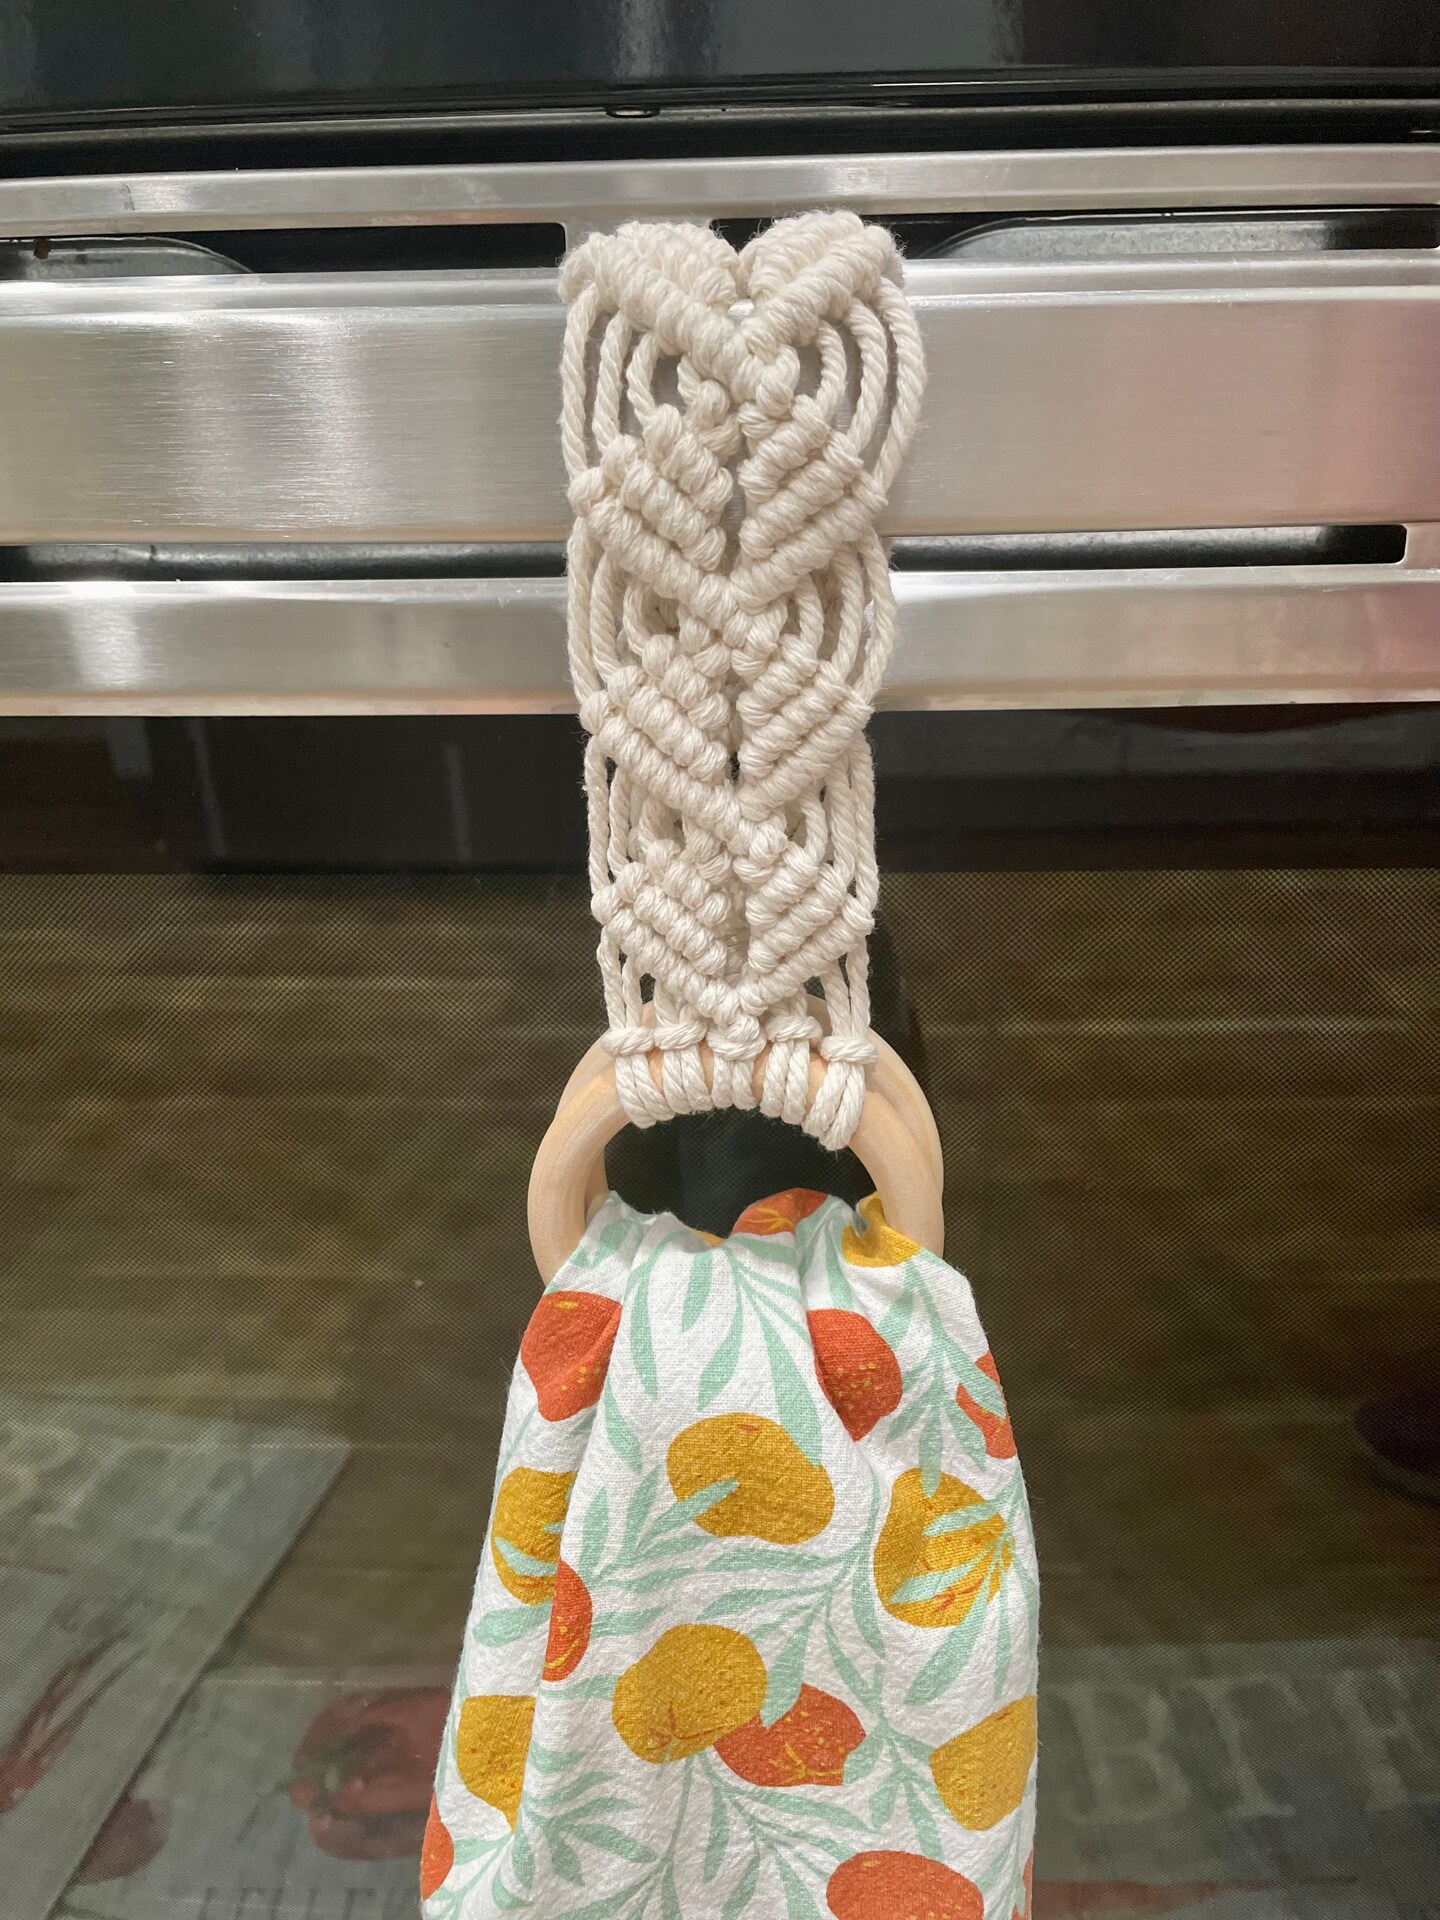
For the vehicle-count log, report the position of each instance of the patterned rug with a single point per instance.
(130, 1544)
(1292, 1781)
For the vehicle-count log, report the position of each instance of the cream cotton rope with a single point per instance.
(732, 423)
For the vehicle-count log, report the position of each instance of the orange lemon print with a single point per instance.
(492, 1744)
(910, 1557)
(566, 1350)
(570, 1619)
(879, 1245)
(525, 1532)
(806, 1747)
(778, 1494)
(901, 1886)
(781, 1213)
(695, 1685)
(857, 1370)
(982, 1773)
(999, 1439)
(437, 1853)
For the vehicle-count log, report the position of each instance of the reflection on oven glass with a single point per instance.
(265, 1147)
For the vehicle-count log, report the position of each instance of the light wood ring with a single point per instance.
(891, 1079)
(591, 1115)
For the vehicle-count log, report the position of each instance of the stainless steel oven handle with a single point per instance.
(1101, 639)
(585, 194)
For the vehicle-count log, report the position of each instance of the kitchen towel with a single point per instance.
(755, 1626)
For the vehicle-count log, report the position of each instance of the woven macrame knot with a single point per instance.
(731, 616)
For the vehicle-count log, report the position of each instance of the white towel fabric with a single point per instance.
(755, 1626)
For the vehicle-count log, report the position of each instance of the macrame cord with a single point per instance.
(732, 423)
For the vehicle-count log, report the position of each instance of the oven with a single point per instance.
(292, 849)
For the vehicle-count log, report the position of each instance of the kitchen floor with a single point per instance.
(263, 1152)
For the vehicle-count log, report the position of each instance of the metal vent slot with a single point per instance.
(417, 248)
(1184, 547)
(1179, 234)
(291, 560)
(1182, 235)
(545, 559)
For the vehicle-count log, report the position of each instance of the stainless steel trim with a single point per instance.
(585, 194)
(1097, 639)
(1258, 392)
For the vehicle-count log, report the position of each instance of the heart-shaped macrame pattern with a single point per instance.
(732, 424)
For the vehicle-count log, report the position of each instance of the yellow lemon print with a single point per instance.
(491, 1746)
(525, 1533)
(778, 1494)
(909, 1556)
(982, 1773)
(879, 1245)
(695, 1685)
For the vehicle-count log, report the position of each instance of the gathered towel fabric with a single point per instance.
(732, 422)
(755, 1626)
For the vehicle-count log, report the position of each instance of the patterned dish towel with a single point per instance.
(754, 1631)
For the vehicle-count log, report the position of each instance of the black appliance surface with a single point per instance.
(59, 60)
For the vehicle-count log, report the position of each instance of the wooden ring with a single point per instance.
(591, 1115)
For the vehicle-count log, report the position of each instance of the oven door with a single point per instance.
(303, 958)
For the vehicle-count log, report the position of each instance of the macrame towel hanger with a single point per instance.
(732, 423)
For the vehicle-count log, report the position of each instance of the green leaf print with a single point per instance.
(862, 1604)
(961, 1519)
(719, 1837)
(798, 1904)
(966, 1434)
(697, 1292)
(611, 1840)
(617, 1432)
(943, 1667)
(892, 1328)
(551, 1759)
(696, 1504)
(783, 1562)
(642, 1347)
(720, 1367)
(593, 1536)
(787, 1676)
(926, 1832)
(628, 1620)
(608, 1241)
(929, 1586)
(882, 1801)
(641, 1583)
(521, 1562)
(842, 1294)
(745, 1600)
(638, 1511)
(610, 1904)
(864, 1760)
(793, 1400)
(522, 1857)
(508, 1624)
(564, 1858)
(980, 1387)
(932, 1455)
(907, 1416)
(847, 1670)
(577, 1789)
(669, 1898)
(743, 1891)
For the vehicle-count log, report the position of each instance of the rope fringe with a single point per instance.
(731, 618)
